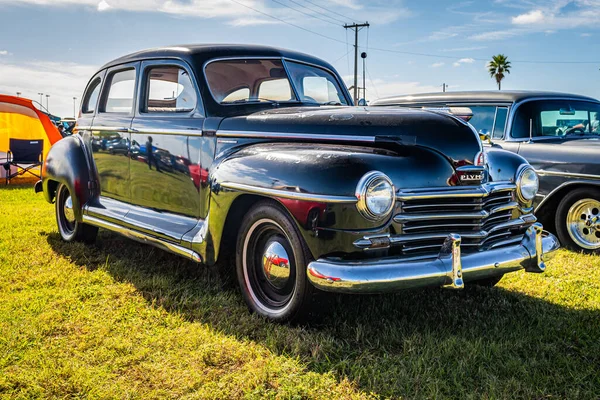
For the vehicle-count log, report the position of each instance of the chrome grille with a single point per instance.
(485, 217)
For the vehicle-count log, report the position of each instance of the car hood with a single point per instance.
(437, 131)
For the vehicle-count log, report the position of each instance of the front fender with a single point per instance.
(66, 163)
(503, 164)
(317, 185)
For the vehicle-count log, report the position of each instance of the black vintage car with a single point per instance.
(257, 153)
(559, 134)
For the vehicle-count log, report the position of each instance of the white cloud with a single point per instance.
(437, 64)
(586, 34)
(238, 14)
(62, 81)
(532, 17)
(463, 61)
(495, 35)
(103, 6)
(457, 49)
(3, 52)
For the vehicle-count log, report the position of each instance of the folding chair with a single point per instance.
(25, 155)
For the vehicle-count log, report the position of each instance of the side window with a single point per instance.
(170, 89)
(500, 124)
(121, 92)
(90, 99)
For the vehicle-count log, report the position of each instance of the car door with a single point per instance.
(166, 139)
(110, 131)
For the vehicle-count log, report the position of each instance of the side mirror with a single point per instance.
(484, 135)
(362, 102)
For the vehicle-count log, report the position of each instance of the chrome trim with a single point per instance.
(403, 218)
(286, 194)
(361, 195)
(183, 132)
(543, 172)
(562, 186)
(101, 128)
(287, 135)
(373, 242)
(455, 191)
(143, 238)
(448, 268)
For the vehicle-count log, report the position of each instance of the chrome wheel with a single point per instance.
(65, 214)
(583, 223)
(269, 266)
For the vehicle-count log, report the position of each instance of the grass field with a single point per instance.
(124, 320)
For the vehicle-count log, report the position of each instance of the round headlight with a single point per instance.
(527, 184)
(375, 194)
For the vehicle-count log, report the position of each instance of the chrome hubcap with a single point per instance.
(276, 265)
(68, 210)
(583, 223)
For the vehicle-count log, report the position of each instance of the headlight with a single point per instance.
(527, 184)
(375, 194)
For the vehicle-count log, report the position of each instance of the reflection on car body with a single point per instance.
(257, 153)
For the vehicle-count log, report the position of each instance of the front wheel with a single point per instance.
(69, 228)
(578, 220)
(271, 260)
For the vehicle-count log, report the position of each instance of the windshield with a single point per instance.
(552, 118)
(253, 80)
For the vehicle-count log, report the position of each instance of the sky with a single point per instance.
(55, 46)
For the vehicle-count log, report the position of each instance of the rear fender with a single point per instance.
(67, 164)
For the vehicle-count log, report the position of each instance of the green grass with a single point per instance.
(124, 320)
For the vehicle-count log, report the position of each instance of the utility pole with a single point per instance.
(356, 27)
(47, 97)
(363, 55)
(41, 94)
(444, 86)
(74, 113)
(18, 94)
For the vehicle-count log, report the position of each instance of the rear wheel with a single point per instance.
(271, 260)
(69, 228)
(578, 220)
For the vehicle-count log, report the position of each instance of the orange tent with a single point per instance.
(19, 119)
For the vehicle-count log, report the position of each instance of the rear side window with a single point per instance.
(121, 93)
(90, 99)
(170, 89)
(483, 117)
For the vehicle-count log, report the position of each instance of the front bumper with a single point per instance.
(449, 269)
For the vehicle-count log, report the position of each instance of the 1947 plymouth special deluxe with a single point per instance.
(258, 152)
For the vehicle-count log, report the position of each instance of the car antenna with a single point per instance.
(530, 130)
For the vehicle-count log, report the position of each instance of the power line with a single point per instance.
(307, 14)
(409, 53)
(333, 12)
(316, 11)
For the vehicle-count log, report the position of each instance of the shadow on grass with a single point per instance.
(427, 343)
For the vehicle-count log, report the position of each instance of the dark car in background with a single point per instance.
(559, 134)
(256, 154)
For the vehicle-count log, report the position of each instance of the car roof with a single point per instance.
(205, 52)
(491, 96)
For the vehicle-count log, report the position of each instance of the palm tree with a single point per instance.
(498, 67)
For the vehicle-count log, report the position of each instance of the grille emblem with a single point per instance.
(470, 175)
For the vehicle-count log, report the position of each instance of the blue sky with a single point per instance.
(54, 46)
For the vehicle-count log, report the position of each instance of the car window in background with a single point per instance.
(170, 89)
(483, 117)
(556, 118)
(90, 100)
(121, 92)
(500, 125)
(250, 80)
(315, 84)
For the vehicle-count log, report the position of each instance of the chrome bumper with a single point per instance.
(449, 269)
